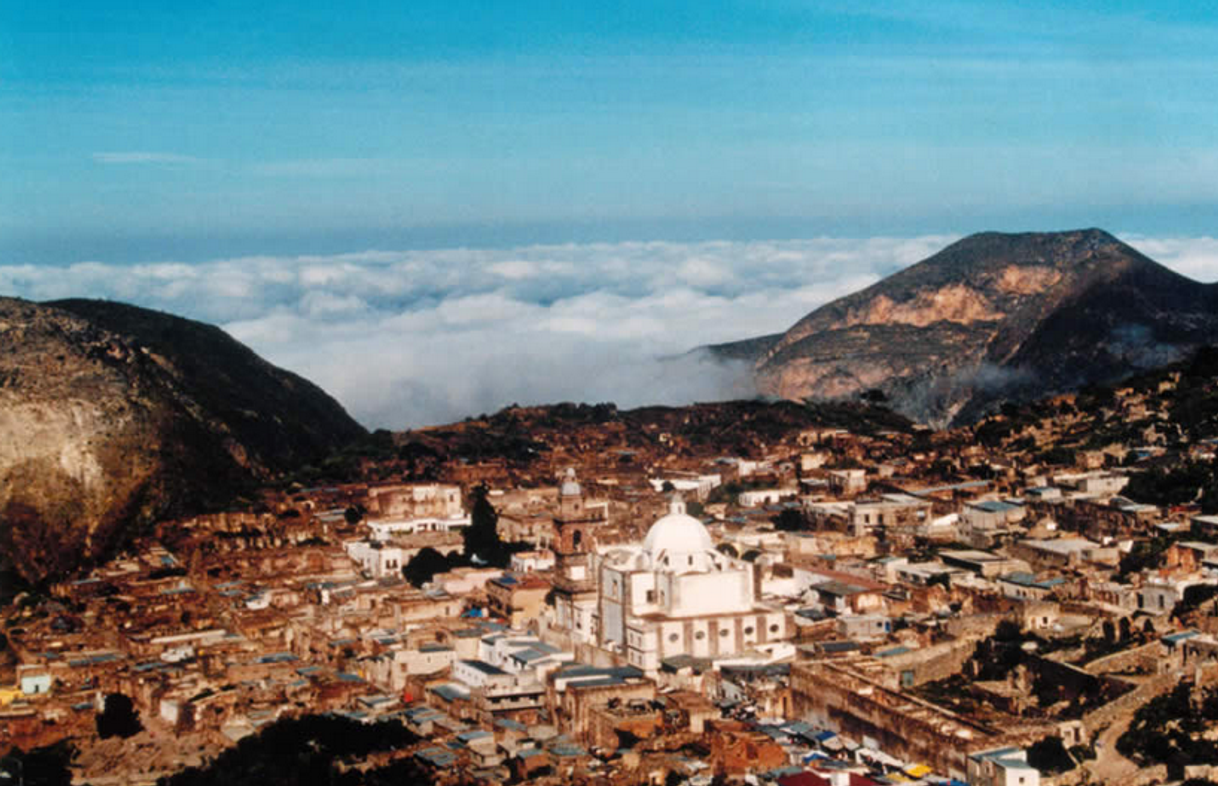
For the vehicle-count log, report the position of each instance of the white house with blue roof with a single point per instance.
(1002, 767)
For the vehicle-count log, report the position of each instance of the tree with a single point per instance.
(482, 535)
(118, 718)
(45, 766)
(789, 520)
(1049, 755)
(354, 514)
(309, 751)
(424, 566)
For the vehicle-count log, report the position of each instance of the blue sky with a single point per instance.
(144, 131)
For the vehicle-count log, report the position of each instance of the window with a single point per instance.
(748, 631)
(700, 635)
(774, 628)
(723, 633)
(673, 637)
(651, 596)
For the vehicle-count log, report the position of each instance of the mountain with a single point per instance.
(991, 317)
(113, 415)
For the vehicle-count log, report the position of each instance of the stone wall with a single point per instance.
(1145, 657)
(901, 725)
(929, 664)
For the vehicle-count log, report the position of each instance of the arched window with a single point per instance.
(576, 538)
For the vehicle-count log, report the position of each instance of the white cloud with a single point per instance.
(417, 337)
(1195, 257)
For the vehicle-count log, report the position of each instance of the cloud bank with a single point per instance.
(412, 338)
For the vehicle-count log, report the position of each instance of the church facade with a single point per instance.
(673, 594)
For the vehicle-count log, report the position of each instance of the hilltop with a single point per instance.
(113, 416)
(992, 317)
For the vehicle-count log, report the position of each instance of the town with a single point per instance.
(713, 594)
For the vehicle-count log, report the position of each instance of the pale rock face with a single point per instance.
(955, 303)
(100, 435)
(1032, 280)
(53, 434)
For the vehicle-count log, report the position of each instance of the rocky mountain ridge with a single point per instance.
(113, 415)
(991, 317)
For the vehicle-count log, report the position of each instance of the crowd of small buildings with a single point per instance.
(832, 611)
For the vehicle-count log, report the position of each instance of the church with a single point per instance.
(673, 594)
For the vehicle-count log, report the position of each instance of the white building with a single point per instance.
(1002, 767)
(377, 559)
(532, 561)
(698, 485)
(755, 498)
(675, 594)
(392, 668)
(386, 529)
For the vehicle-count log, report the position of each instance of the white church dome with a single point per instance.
(677, 533)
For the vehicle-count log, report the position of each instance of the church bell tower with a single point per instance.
(575, 535)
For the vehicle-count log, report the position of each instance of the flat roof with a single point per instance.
(484, 667)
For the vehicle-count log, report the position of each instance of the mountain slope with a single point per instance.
(991, 317)
(112, 415)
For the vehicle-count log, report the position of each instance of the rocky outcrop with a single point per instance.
(112, 416)
(992, 317)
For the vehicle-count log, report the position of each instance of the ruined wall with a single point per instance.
(901, 725)
(929, 664)
(1145, 658)
(975, 625)
(1073, 681)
